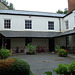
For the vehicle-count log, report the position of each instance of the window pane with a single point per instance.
(28, 24)
(66, 23)
(51, 25)
(7, 23)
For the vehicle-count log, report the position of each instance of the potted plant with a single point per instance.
(4, 53)
(58, 48)
(31, 49)
(63, 52)
(39, 49)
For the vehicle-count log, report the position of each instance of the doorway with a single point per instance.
(51, 44)
(27, 41)
(8, 41)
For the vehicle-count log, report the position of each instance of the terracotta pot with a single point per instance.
(73, 73)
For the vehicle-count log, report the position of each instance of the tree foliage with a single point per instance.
(63, 12)
(9, 5)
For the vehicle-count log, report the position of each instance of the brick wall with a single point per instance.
(71, 5)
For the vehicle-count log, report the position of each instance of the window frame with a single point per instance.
(67, 40)
(28, 25)
(67, 24)
(8, 24)
(50, 26)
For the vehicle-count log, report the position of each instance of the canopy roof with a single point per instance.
(29, 34)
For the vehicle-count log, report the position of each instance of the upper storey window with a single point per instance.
(50, 25)
(67, 25)
(28, 24)
(7, 23)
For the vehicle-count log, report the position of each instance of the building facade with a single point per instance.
(42, 29)
(47, 30)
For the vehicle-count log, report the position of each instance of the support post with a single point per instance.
(66, 41)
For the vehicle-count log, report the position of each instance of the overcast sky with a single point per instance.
(40, 5)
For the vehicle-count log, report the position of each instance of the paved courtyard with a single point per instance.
(43, 62)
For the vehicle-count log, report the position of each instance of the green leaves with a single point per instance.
(4, 53)
(71, 67)
(9, 5)
(65, 69)
(31, 48)
(48, 73)
(63, 12)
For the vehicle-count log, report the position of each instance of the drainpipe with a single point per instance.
(59, 24)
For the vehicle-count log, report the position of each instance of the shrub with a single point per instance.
(14, 66)
(66, 69)
(62, 52)
(31, 48)
(71, 67)
(19, 67)
(4, 53)
(48, 73)
(5, 63)
(62, 69)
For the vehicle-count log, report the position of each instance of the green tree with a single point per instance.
(5, 2)
(11, 6)
(63, 12)
(59, 11)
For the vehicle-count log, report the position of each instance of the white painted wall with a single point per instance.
(62, 25)
(70, 19)
(38, 23)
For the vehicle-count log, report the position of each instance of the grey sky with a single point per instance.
(40, 5)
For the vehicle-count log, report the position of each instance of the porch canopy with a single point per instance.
(66, 33)
(37, 34)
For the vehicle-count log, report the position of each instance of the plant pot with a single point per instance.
(63, 55)
(73, 73)
(68, 74)
(29, 53)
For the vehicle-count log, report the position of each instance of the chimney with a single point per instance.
(71, 5)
